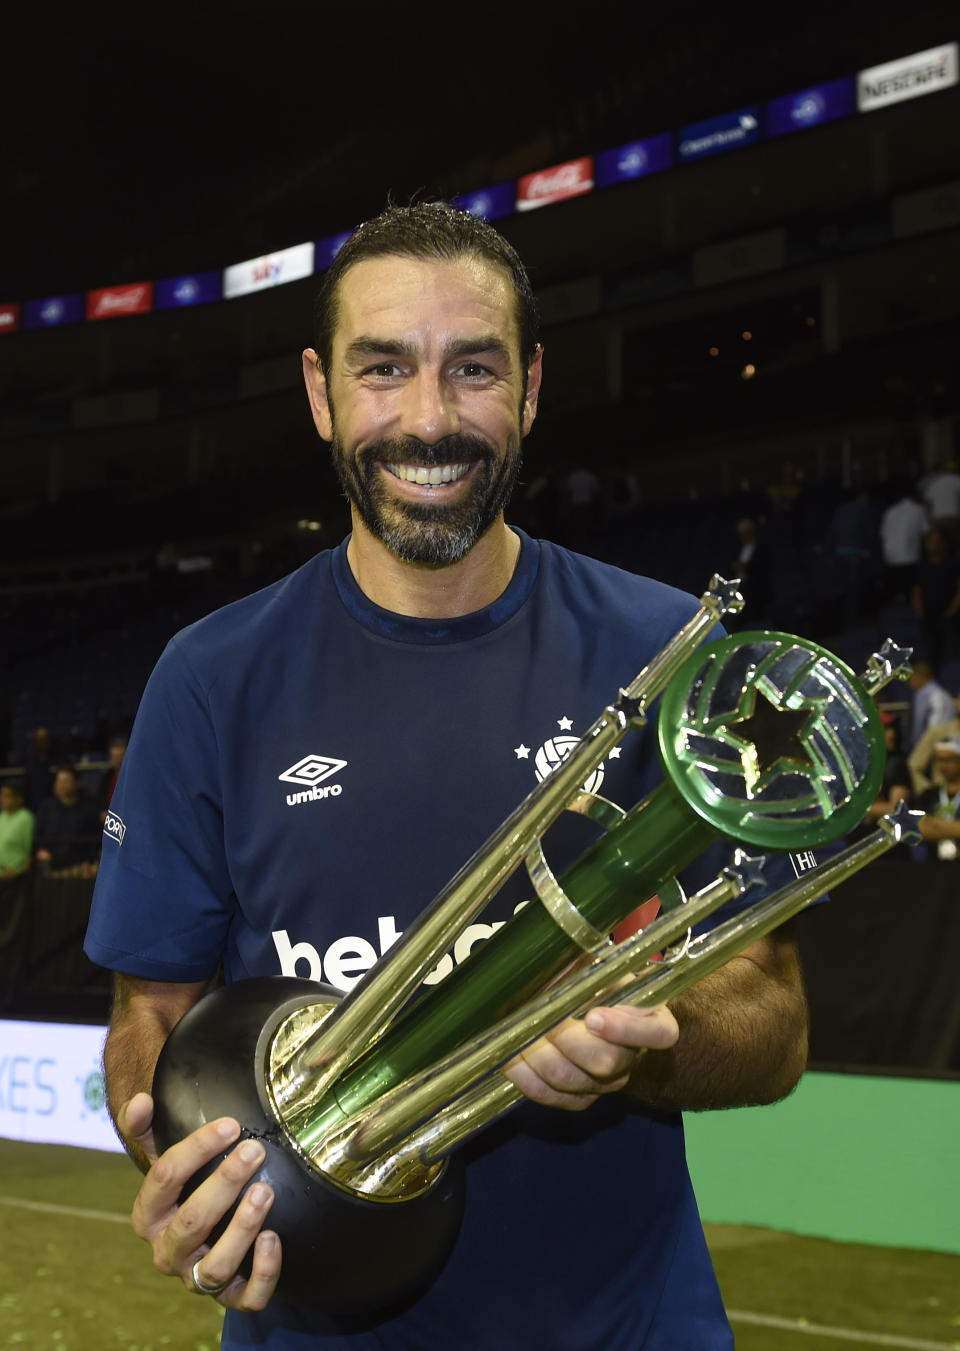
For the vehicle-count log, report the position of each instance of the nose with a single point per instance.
(429, 411)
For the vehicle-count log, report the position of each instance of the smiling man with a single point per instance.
(402, 681)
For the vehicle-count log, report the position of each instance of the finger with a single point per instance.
(219, 1265)
(160, 1191)
(571, 1060)
(192, 1221)
(134, 1122)
(533, 1086)
(655, 1029)
(255, 1293)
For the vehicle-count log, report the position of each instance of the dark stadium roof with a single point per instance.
(140, 143)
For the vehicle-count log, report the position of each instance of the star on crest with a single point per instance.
(522, 752)
(771, 737)
(565, 724)
(615, 753)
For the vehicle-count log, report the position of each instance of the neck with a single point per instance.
(424, 591)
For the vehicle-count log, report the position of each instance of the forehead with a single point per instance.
(428, 302)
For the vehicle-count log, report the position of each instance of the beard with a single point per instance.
(424, 532)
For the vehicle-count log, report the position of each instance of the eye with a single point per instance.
(383, 370)
(472, 370)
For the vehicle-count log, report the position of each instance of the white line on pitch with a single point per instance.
(841, 1334)
(49, 1208)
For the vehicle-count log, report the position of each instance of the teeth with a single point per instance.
(419, 473)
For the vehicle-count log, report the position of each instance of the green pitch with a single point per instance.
(75, 1278)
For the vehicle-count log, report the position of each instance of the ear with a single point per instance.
(316, 383)
(532, 395)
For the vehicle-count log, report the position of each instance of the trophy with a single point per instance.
(362, 1100)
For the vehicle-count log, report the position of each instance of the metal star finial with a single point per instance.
(722, 597)
(744, 870)
(903, 824)
(630, 710)
(891, 662)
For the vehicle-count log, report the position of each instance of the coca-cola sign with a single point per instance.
(110, 302)
(555, 184)
(9, 318)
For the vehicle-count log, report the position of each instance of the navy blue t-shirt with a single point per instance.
(305, 773)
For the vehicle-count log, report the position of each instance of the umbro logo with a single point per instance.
(310, 772)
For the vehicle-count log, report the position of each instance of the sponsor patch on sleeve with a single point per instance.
(113, 827)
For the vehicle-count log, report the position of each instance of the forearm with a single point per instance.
(743, 1041)
(144, 1013)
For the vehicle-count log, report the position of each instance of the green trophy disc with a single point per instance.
(772, 740)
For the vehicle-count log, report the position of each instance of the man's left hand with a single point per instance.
(584, 1058)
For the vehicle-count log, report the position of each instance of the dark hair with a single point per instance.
(432, 231)
(15, 784)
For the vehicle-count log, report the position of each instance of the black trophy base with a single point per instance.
(341, 1252)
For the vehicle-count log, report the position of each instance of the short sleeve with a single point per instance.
(163, 899)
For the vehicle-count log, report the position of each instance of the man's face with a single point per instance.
(65, 786)
(948, 766)
(10, 799)
(426, 402)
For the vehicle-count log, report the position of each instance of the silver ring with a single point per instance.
(205, 1289)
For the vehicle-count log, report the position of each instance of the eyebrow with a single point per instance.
(485, 345)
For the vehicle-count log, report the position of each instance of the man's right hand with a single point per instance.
(178, 1231)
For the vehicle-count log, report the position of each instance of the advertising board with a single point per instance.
(54, 311)
(633, 160)
(810, 107)
(327, 249)
(907, 78)
(555, 184)
(270, 269)
(717, 135)
(197, 288)
(115, 302)
(489, 203)
(51, 1085)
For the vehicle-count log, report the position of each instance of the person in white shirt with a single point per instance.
(931, 702)
(902, 529)
(942, 494)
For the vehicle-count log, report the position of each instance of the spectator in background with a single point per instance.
(39, 767)
(894, 789)
(852, 539)
(936, 597)
(940, 804)
(583, 507)
(920, 760)
(785, 494)
(68, 828)
(902, 529)
(942, 493)
(932, 704)
(896, 776)
(117, 750)
(16, 830)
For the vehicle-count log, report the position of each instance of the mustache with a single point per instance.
(454, 449)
